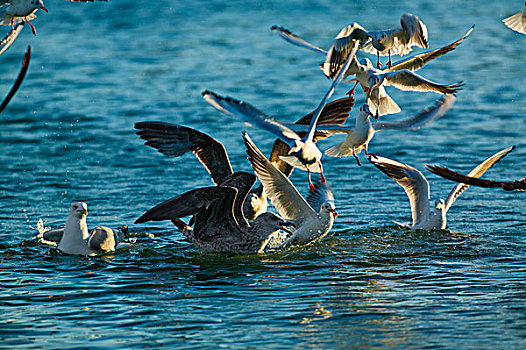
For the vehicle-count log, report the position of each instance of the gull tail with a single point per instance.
(339, 150)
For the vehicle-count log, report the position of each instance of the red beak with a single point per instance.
(335, 213)
(43, 8)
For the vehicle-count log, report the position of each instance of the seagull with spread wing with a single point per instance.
(416, 187)
(219, 225)
(313, 217)
(303, 153)
(517, 22)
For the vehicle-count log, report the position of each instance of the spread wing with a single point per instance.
(413, 182)
(186, 204)
(446, 173)
(288, 201)
(408, 81)
(295, 40)
(9, 39)
(251, 115)
(175, 140)
(478, 171)
(422, 119)
(18, 81)
(416, 62)
(242, 182)
(517, 22)
(335, 113)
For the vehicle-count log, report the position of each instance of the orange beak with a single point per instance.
(334, 213)
(43, 8)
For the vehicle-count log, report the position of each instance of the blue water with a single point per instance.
(68, 135)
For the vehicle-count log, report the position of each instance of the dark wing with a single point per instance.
(335, 112)
(446, 173)
(18, 81)
(416, 62)
(175, 140)
(477, 171)
(186, 204)
(9, 39)
(341, 49)
(242, 182)
(295, 40)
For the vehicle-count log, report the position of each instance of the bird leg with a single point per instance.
(311, 186)
(379, 65)
(323, 180)
(370, 154)
(13, 23)
(389, 63)
(355, 156)
(32, 26)
(351, 92)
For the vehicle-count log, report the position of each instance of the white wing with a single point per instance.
(517, 22)
(477, 172)
(251, 115)
(322, 194)
(413, 182)
(284, 196)
(408, 81)
(422, 119)
(296, 40)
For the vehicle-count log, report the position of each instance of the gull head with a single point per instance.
(440, 205)
(79, 210)
(39, 4)
(328, 207)
(367, 63)
(365, 112)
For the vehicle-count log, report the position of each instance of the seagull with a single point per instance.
(399, 41)
(14, 11)
(216, 212)
(175, 140)
(76, 240)
(303, 154)
(417, 189)
(18, 81)
(517, 22)
(359, 136)
(518, 185)
(313, 218)
(379, 102)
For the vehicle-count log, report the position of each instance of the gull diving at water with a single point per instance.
(517, 22)
(75, 239)
(175, 140)
(416, 187)
(313, 217)
(303, 153)
(216, 211)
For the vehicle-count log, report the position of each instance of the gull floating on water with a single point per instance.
(77, 240)
(175, 140)
(379, 101)
(313, 217)
(359, 136)
(303, 153)
(517, 22)
(416, 187)
(216, 211)
(517, 185)
(18, 81)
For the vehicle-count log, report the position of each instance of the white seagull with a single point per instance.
(313, 219)
(216, 212)
(303, 154)
(359, 136)
(77, 240)
(517, 22)
(14, 11)
(417, 189)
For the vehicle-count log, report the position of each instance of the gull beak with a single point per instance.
(84, 212)
(43, 8)
(287, 223)
(334, 213)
